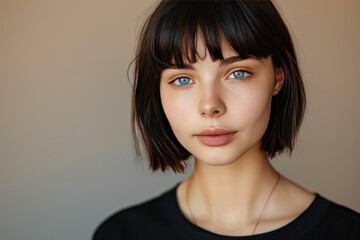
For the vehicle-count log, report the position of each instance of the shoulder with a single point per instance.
(337, 221)
(135, 221)
(343, 215)
(323, 219)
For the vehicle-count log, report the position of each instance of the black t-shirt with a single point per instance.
(162, 219)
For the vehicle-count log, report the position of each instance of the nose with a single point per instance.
(211, 104)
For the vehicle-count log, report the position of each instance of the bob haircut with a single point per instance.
(168, 38)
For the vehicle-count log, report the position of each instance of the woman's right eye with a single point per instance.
(182, 81)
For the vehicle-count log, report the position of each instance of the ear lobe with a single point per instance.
(279, 80)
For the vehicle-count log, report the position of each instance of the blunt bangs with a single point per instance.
(252, 28)
(234, 22)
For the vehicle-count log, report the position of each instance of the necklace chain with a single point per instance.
(267, 200)
(192, 218)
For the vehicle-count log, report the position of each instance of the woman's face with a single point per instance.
(219, 110)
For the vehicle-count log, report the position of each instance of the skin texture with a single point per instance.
(232, 177)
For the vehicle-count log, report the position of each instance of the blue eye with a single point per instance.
(238, 74)
(182, 81)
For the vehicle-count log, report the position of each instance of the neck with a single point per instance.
(231, 195)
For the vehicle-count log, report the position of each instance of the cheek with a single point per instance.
(174, 114)
(254, 110)
(257, 108)
(175, 109)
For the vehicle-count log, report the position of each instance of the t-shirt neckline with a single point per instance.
(301, 225)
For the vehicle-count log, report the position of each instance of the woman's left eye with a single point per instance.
(239, 74)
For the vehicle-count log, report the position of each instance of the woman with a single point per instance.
(219, 81)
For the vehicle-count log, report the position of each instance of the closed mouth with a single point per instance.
(215, 137)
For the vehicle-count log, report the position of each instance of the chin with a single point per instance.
(228, 154)
(219, 158)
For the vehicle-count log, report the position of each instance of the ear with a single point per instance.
(279, 80)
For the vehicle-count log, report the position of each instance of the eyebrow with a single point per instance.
(230, 60)
(224, 62)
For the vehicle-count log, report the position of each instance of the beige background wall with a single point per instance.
(66, 157)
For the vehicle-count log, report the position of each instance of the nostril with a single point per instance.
(211, 107)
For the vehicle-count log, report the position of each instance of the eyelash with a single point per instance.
(190, 81)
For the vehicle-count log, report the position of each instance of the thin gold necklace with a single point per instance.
(260, 215)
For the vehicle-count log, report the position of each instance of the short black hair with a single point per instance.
(252, 28)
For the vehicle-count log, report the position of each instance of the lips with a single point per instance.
(215, 136)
